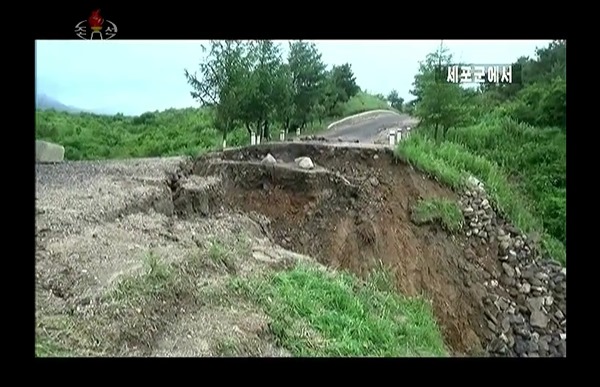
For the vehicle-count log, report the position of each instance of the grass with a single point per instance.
(534, 158)
(313, 312)
(452, 163)
(318, 313)
(445, 211)
(363, 102)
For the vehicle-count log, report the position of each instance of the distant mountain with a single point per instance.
(43, 101)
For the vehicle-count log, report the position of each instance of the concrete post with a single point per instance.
(282, 135)
(392, 136)
(297, 132)
(398, 135)
(258, 140)
(252, 138)
(224, 143)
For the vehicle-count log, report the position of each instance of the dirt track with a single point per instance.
(94, 220)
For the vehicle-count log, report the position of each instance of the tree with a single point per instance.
(395, 100)
(339, 86)
(284, 96)
(438, 102)
(308, 76)
(263, 65)
(221, 81)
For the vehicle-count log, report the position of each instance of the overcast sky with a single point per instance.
(133, 77)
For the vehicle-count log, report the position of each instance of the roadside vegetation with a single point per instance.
(511, 137)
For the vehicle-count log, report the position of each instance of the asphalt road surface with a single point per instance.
(369, 129)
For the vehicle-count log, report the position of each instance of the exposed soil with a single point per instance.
(355, 215)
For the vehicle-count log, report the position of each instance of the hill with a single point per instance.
(45, 102)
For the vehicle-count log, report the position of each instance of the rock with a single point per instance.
(508, 269)
(559, 315)
(533, 346)
(562, 348)
(525, 288)
(375, 157)
(508, 282)
(502, 304)
(534, 304)
(505, 324)
(47, 152)
(538, 319)
(563, 336)
(535, 282)
(304, 163)
(544, 343)
(504, 245)
(527, 274)
(520, 347)
(374, 182)
(269, 159)
(542, 276)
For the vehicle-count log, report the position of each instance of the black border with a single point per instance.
(306, 20)
(289, 21)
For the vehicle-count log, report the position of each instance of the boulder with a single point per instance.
(47, 152)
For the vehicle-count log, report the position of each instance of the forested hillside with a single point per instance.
(241, 86)
(513, 137)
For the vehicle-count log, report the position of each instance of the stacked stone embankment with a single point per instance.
(526, 304)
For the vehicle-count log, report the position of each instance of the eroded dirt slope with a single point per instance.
(354, 215)
(353, 211)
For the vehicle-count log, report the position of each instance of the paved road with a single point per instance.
(369, 129)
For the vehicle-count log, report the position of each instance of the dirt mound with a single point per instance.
(354, 212)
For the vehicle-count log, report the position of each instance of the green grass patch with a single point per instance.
(452, 163)
(363, 102)
(445, 211)
(534, 158)
(319, 313)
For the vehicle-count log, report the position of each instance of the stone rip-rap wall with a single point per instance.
(526, 303)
